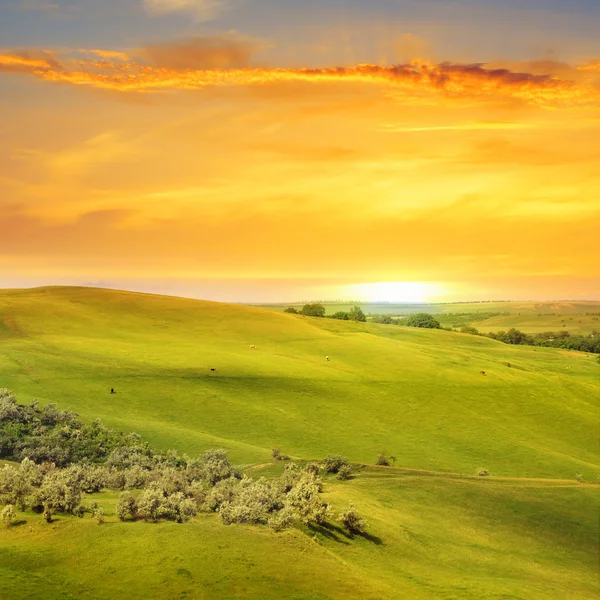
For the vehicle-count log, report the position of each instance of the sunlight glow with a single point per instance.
(396, 291)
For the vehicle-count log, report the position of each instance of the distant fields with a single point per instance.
(530, 317)
(530, 532)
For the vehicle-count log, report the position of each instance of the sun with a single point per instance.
(395, 292)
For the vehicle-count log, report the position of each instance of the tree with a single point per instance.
(356, 314)
(424, 320)
(8, 515)
(291, 310)
(313, 310)
(340, 316)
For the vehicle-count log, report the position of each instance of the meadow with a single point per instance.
(578, 318)
(530, 531)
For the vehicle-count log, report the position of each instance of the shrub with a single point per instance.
(289, 477)
(126, 507)
(312, 467)
(333, 463)
(352, 521)
(423, 320)
(313, 310)
(579, 477)
(382, 460)
(483, 472)
(224, 491)
(345, 473)
(98, 514)
(47, 514)
(150, 504)
(8, 515)
(291, 310)
(304, 503)
(277, 455)
(281, 519)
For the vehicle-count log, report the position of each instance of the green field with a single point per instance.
(436, 531)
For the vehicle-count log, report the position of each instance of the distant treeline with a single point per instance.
(550, 339)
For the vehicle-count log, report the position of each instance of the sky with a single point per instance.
(277, 150)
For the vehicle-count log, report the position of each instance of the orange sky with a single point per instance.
(166, 164)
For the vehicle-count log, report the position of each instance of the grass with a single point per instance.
(528, 532)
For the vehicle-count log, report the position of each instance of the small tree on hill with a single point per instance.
(352, 521)
(126, 507)
(8, 515)
(424, 320)
(356, 314)
(313, 310)
(382, 460)
(291, 310)
(333, 463)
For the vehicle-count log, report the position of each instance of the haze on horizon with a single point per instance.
(262, 150)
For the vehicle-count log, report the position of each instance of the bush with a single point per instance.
(312, 467)
(98, 514)
(483, 472)
(345, 473)
(352, 521)
(291, 310)
(382, 460)
(8, 515)
(277, 455)
(304, 503)
(333, 463)
(281, 519)
(150, 504)
(313, 310)
(579, 477)
(126, 507)
(424, 320)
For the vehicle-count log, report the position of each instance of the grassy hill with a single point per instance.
(529, 532)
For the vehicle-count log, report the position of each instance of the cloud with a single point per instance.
(202, 10)
(228, 51)
(224, 61)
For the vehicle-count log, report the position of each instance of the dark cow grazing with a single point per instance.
(482, 372)
(508, 364)
(112, 391)
(213, 370)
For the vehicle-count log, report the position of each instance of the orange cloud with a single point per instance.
(176, 67)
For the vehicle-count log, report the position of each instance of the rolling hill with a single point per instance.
(436, 531)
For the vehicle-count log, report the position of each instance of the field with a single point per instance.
(435, 530)
(579, 318)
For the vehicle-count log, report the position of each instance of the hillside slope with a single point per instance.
(417, 394)
(432, 535)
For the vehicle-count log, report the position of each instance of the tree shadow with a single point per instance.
(372, 538)
(330, 532)
(19, 523)
(340, 535)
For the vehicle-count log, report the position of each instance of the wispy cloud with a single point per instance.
(482, 126)
(202, 10)
(175, 67)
